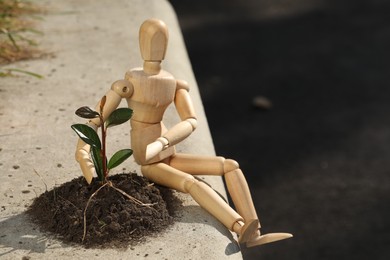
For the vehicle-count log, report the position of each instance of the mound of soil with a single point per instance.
(112, 219)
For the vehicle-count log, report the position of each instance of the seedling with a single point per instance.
(98, 148)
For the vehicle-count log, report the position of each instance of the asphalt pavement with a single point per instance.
(317, 161)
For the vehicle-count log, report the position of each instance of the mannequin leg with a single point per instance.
(239, 192)
(215, 165)
(205, 196)
(237, 187)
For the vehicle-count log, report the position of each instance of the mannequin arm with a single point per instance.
(183, 129)
(186, 113)
(119, 90)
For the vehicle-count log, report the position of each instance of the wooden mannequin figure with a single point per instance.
(148, 91)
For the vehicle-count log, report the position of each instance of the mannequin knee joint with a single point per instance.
(230, 165)
(188, 184)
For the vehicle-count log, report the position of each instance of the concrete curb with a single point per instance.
(93, 44)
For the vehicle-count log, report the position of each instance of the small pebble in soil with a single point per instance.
(16, 167)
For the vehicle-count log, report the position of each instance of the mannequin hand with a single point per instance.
(82, 157)
(155, 148)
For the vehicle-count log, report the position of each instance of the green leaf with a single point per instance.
(119, 116)
(98, 162)
(87, 134)
(86, 112)
(119, 157)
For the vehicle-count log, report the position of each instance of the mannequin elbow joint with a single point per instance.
(230, 165)
(193, 122)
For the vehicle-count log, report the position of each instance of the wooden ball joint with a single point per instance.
(149, 90)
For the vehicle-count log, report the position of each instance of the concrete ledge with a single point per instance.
(92, 44)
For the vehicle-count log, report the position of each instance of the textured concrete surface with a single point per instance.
(90, 45)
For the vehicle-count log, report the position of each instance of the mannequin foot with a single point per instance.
(267, 238)
(247, 230)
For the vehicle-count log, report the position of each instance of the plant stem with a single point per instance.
(105, 170)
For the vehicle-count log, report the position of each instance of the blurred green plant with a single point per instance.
(98, 148)
(15, 34)
(8, 72)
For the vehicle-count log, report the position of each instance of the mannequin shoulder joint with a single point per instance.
(181, 84)
(123, 88)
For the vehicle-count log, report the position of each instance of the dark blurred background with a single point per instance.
(317, 161)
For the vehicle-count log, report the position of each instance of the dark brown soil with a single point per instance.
(113, 220)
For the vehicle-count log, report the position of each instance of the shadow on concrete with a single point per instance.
(317, 161)
(196, 214)
(19, 234)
